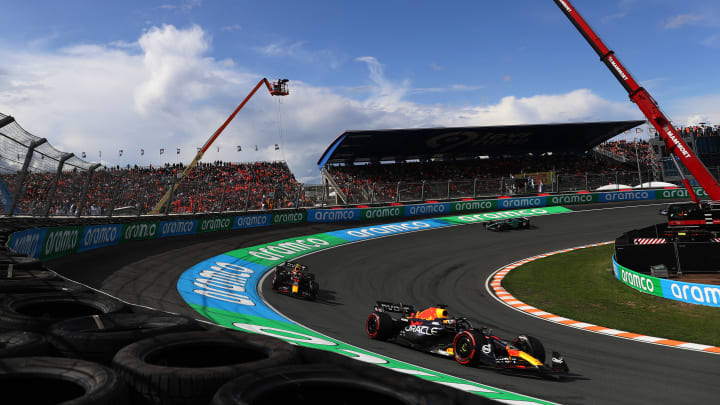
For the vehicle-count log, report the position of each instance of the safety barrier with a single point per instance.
(700, 294)
(51, 242)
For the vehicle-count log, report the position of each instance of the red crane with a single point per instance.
(673, 141)
(278, 88)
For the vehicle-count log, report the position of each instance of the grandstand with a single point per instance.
(36, 179)
(359, 167)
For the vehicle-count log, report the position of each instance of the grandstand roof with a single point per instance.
(468, 142)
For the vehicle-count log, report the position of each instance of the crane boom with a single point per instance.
(278, 88)
(673, 141)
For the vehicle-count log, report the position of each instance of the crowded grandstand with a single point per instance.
(51, 184)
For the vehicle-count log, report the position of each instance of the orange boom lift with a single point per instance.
(278, 88)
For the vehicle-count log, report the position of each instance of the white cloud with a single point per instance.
(169, 93)
(298, 51)
(682, 20)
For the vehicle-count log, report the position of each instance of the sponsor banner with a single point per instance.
(700, 294)
(340, 215)
(632, 195)
(475, 205)
(139, 231)
(489, 216)
(100, 236)
(379, 213)
(296, 334)
(426, 209)
(177, 227)
(638, 281)
(369, 232)
(279, 218)
(678, 193)
(252, 221)
(215, 224)
(506, 203)
(583, 198)
(226, 283)
(691, 293)
(61, 241)
(271, 254)
(29, 241)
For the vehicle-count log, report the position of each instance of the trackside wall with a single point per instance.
(51, 242)
(700, 294)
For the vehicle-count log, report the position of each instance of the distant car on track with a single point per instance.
(508, 223)
(432, 330)
(294, 279)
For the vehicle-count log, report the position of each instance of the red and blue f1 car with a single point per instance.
(432, 330)
(294, 279)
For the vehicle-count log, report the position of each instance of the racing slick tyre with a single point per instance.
(467, 345)
(379, 326)
(36, 312)
(56, 380)
(314, 288)
(99, 337)
(189, 367)
(17, 343)
(320, 384)
(531, 345)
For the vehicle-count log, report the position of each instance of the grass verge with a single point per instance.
(580, 285)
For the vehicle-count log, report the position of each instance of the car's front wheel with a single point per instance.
(467, 345)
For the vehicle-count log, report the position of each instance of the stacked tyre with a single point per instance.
(61, 343)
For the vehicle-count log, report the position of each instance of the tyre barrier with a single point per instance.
(36, 312)
(314, 384)
(99, 337)
(55, 380)
(189, 367)
(18, 343)
(34, 280)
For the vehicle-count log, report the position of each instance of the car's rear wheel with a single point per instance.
(379, 326)
(467, 345)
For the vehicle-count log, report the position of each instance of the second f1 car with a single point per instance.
(432, 330)
(295, 279)
(508, 223)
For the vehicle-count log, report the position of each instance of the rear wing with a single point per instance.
(290, 265)
(384, 306)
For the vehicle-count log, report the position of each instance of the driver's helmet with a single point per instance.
(441, 313)
(296, 269)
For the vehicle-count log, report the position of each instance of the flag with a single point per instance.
(178, 151)
(255, 148)
(120, 152)
(84, 155)
(142, 152)
(277, 147)
(162, 150)
(638, 130)
(239, 148)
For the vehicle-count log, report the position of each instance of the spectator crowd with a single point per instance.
(208, 187)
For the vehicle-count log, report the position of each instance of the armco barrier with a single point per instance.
(700, 294)
(224, 289)
(48, 243)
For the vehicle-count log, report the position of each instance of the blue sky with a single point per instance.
(92, 76)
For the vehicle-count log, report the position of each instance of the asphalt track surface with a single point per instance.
(443, 266)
